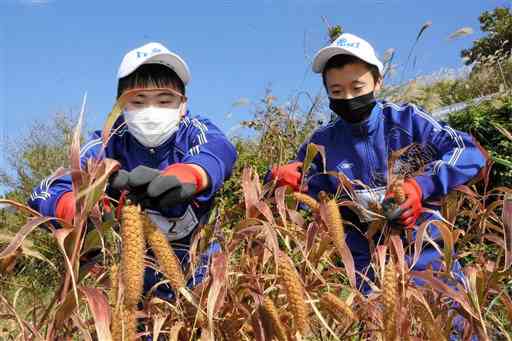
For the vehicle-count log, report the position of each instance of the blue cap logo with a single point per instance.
(343, 42)
(142, 54)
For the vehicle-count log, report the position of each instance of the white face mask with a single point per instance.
(152, 126)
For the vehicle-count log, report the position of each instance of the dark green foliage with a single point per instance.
(30, 159)
(334, 32)
(479, 121)
(498, 26)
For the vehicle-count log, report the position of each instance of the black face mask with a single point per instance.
(353, 110)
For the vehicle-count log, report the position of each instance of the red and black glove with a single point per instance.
(65, 208)
(411, 208)
(135, 183)
(288, 175)
(152, 188)
(177, 183)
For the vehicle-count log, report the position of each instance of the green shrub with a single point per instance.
(480, 120)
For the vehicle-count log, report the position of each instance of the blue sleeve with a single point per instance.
(211, 150)
(457, 157)
(44, 197)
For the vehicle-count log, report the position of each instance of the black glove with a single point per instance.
(154, 189)
(392, 211)
(177, 183)
(136, 183)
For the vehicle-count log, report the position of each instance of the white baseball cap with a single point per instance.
(347, 44)
(154, 53)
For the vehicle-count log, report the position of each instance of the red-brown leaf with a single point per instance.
(217, 291)
(100, 309)
(507, 229)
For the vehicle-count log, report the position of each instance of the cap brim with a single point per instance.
(325, 54)
(171, 60)
(328, 52)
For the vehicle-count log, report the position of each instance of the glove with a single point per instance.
(152, 188)
(288, 175)
(65, 208)
(177, 183)
(136, 182)
(139, 176)
(411, 208)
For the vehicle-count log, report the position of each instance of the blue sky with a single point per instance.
(53, 51)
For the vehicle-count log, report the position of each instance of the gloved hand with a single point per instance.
(65, 208)
(289, 174)
(152, 188)
(136, 182)
(177, 183)
(411, 208)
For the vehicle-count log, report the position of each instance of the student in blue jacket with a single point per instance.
(360, 140)
(174, 162)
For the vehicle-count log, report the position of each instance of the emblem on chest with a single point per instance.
(343, 166)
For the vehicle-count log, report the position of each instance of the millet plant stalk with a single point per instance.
(307, 200)
(333, 222)
(124, 324)
(271, 316)
(398, 190)
(390, 300)
(114, 285)
(294, 292)
(132, 254)
(335, 306)
(164, 254)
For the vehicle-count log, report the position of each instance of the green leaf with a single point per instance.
(93, 238)
(503, 162)
(502, 130)
(27, 248)
(311, 152)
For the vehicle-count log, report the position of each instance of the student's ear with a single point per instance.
(183, 110)
(378, 86)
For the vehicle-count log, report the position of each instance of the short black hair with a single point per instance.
(341, 60)
(151, 75)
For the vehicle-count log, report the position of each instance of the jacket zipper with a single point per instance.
(371, 161)
(153, 159)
